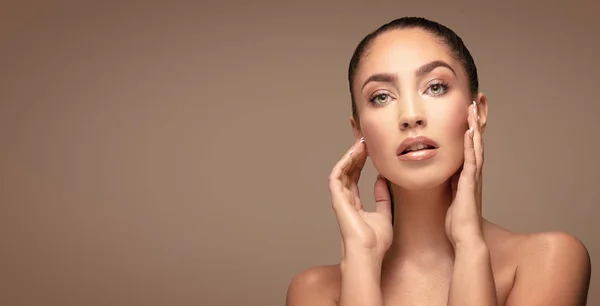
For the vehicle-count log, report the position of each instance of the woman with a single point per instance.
(418, 113)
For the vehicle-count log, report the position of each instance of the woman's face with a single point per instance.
(408, 85)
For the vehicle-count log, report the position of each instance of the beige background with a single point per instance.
(177, 153)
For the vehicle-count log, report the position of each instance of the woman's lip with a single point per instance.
(418, 155)
(410, 141)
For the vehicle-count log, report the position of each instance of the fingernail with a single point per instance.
(475, 110)
(471, 131)
(362, 139)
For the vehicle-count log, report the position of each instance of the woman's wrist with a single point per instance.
(361, 279)
(364, 259)
(362, 264)
(475, 245)
(472, 277)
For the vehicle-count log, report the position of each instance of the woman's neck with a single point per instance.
(419, 225)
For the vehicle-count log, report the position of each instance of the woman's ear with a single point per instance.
(482, 110)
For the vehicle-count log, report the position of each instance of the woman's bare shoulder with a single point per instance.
(532, 245)
(557, 263)
(554, 249)
(315, 286)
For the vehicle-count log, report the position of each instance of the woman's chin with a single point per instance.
(413, 185)
(420, 181)
(420, 177)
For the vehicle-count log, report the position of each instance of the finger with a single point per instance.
(383, 200)
(359, 158)
(477, 141)
(359, 163)
(340, 194)
(467, 177)
(346, 214)
(479, 156)
(454, 181)
(356, 171)
(355, 154)
(336, 180)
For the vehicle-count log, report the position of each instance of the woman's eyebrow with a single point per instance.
(392, 78)
(427, 68)
(380, 77)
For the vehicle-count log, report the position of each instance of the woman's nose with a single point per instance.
(412, 121)
(412, 115)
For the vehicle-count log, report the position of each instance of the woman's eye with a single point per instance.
(437, 89)
(380, 98)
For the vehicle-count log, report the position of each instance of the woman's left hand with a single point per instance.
(464, 222)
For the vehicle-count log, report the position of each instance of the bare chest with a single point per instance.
(417, 288)
(431, 289)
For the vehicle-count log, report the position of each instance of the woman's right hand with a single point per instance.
(362, 232)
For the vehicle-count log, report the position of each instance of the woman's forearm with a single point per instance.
(472, 277)
(361, 280)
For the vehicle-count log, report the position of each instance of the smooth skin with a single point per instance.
(440, 250)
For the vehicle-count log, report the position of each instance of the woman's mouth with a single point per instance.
(417, 148)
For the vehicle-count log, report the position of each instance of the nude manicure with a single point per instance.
(475, 110)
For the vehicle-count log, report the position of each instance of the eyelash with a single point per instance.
(376, 95)
(445, 86)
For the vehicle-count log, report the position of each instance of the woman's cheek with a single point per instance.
(454, 125)
(378, 136)
(452, 119)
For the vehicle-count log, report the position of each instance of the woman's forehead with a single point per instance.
(403, 51)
